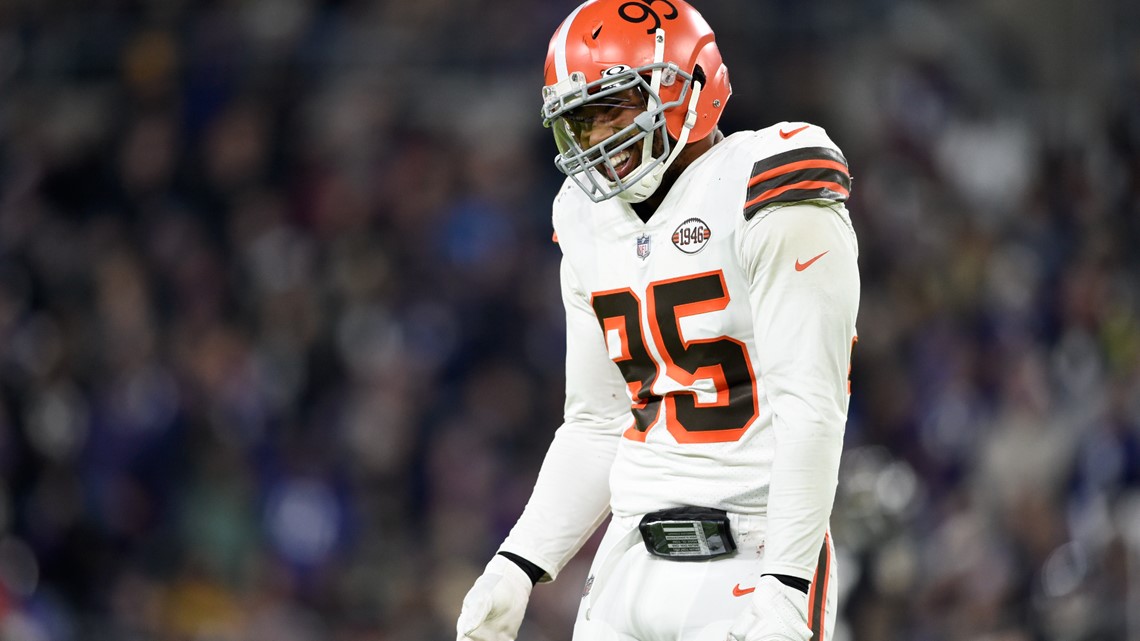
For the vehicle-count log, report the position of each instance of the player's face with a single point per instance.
(597, 121)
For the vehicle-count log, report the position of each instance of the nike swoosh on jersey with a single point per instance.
(739, 591)
(788, 134)
(802, 266)
(807, 173)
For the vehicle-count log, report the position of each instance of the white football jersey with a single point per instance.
(698, 340)
(675, 303)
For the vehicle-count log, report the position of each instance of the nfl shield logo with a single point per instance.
(643, 246)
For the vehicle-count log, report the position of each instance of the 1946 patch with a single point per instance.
(691, 236)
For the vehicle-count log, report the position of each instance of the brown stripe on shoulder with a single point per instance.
(817, 595)
(799, 174)
(762, 167)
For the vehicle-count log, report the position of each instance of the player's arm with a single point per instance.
(571, 496)
(804, 293)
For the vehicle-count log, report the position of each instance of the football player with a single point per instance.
(711, 287)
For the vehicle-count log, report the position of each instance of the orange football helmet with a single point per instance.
(661, 50)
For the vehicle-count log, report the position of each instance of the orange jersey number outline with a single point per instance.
(724, 360)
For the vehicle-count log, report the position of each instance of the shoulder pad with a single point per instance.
(800, 164)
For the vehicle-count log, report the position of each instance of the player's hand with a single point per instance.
(775, 612)
(493, 608)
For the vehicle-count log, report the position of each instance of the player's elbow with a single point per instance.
(818, 419)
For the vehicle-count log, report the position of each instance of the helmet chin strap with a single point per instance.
(648, 184)
(644, 188)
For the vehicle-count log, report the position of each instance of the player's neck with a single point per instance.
(646, 208)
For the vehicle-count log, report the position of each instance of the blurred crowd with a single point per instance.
(281, 339)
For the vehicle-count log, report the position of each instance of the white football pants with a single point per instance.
(631, 595)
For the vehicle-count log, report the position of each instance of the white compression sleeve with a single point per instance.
(804, 313)
(571, 496)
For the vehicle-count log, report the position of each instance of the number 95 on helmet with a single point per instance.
(628, 84)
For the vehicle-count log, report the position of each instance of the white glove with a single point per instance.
(493, 608)
(776, 612)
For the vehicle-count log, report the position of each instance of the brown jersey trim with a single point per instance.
(800, 174)
(817, 597)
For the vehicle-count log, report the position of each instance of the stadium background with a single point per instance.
(280, 337)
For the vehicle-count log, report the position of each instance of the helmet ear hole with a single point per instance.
(699, 75)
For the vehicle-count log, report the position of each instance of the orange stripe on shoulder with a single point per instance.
(818, 163)
(805, 173)
(803, 185)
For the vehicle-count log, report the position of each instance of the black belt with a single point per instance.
(687, 533)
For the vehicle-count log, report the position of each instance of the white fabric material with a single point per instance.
(805, 322)
(571, 496)
(635, 596)
(493, 608)
(764, 445)
(775, 612)
(796, 327)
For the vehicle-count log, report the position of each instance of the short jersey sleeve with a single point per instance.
(795, 162)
